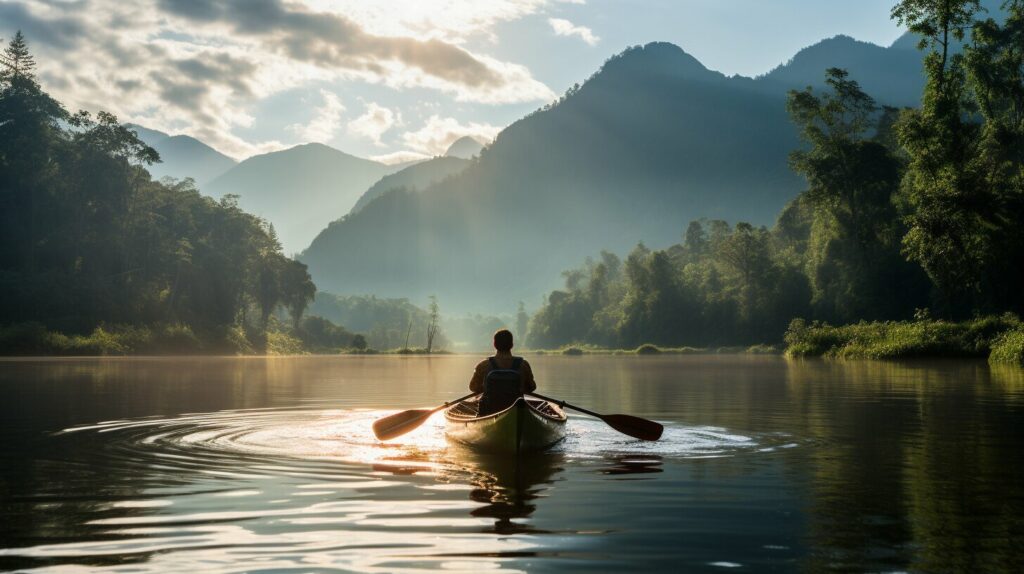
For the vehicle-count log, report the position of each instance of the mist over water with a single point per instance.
(231, 465)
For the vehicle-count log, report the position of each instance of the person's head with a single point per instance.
(503, 340)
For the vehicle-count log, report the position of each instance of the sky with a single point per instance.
(391, 80)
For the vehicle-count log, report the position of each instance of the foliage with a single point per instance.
(384, 323)
(963, 186)
(281, 343)
(852, 258)
(895, 340)
(722, 285)
(1008, 348)
(90, 239)
(319, 335)
(34, 339)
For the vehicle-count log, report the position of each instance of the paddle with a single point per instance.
(635, 427)
(398, 424)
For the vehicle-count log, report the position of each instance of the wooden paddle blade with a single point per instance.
(635, 427)
(398, 424)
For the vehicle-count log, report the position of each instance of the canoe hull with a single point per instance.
(526, 426)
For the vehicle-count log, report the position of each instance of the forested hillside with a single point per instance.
(90, 240)
(413, 178)
(907, 214)
(651, 141)
(648, 143)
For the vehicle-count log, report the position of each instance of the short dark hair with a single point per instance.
(503, 340)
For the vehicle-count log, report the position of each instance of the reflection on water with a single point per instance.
(222, 465)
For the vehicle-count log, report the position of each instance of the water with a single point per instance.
(253, 464)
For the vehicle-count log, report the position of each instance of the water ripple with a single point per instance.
(307, 489)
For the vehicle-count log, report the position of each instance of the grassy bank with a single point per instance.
(34, 339)
(1001, 339)
(649, 349)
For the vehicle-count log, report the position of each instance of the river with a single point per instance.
(268, 464)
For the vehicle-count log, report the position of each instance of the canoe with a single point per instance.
(528, 425)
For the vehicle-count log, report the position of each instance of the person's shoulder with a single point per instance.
(525, 363)
(484, 364)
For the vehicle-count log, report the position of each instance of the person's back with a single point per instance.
(503, 365)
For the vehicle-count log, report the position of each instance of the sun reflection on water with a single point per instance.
(310, 489)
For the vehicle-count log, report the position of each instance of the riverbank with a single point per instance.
(999, 339)
(35, 340)
(649, 349)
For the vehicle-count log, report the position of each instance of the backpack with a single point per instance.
(501, 387)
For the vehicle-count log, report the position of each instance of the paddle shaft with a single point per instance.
(565, 404)
(448, 404)
(635, 427)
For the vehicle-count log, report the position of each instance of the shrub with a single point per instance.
(1008, 348)
(892, 340)
(176, 338)
(279, 343)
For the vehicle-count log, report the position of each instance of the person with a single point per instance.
(502, 364)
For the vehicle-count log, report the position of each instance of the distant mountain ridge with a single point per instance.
(300, 189)
(649, 142)
(893, 76)
(183, 156)
(413, 178)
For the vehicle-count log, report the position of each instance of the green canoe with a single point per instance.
(528, 425)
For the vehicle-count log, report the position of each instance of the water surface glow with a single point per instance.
(241, 465)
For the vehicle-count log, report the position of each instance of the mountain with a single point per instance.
(299, 189)
(465, 147)
(413, 178)
(893, 76)
(650, 142)
(183, 156)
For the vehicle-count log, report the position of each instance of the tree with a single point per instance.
(695, 240)
(522, 322)
(16, 59)
(995, 67)
(746, 253)
(852, 177)
(359, 342)
(938, 23)
(30, 132)
(947, 201)
(434, 324)
(297, 287)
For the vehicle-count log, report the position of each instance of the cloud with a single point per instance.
(374, 123)
(399, 157)
(333, 41)
(203, 68)
(326, 121)
(564, 27)
(439, 133)
(56, 29)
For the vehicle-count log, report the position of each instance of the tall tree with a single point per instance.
(853, 256)
(434, 324)
(943, 186)
(30, 130)
(522, 322)
(16, 59)
(995, 65)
